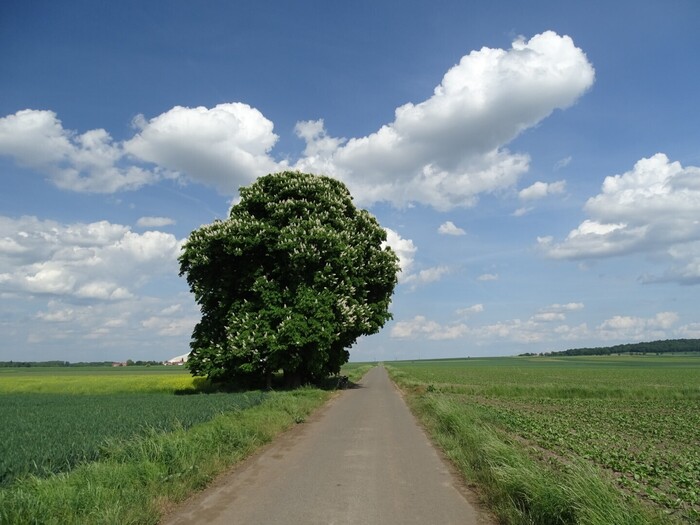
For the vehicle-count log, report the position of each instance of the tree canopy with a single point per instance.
(288, 282)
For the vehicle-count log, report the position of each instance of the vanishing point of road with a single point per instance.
(362, 459)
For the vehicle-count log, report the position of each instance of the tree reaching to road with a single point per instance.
(288, 282)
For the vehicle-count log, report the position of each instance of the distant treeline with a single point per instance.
(670, 346)
(61, 364)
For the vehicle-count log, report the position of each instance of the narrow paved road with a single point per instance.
(362, 460)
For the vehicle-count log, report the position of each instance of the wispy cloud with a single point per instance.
(154, 222)
(520, 212)
(421, 327)
(562, 163)
(429, 275)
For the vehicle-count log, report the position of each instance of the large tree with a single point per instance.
(288, 282)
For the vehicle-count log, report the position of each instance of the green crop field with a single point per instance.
(97, 380)
(117, 445)
(56, 418)
(45, 434)
(635, 419)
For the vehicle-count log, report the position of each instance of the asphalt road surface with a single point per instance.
(362, 459)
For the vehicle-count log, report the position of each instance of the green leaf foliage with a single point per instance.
(288, 282)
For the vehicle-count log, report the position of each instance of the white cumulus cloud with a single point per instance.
(169, 326)
(98, 260)
(449, 228)
(653, 208)
(421, 327)
(89, 162)
(630, 328)
(226, 146)
(448, 149)
(539, 190)
(404, 249)
(443, 152)
(131, 328)
(318, 142)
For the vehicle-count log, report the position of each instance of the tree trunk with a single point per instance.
(292, 379)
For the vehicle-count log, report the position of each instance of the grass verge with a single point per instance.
(355, 371)
(517, 486)
(135, 480)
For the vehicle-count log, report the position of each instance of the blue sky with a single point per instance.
(537, 164)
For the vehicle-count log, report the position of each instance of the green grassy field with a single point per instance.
(56, 418)
(76, 428)
(117, 445)
(632, 423)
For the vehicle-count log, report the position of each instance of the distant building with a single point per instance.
(179, 360)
